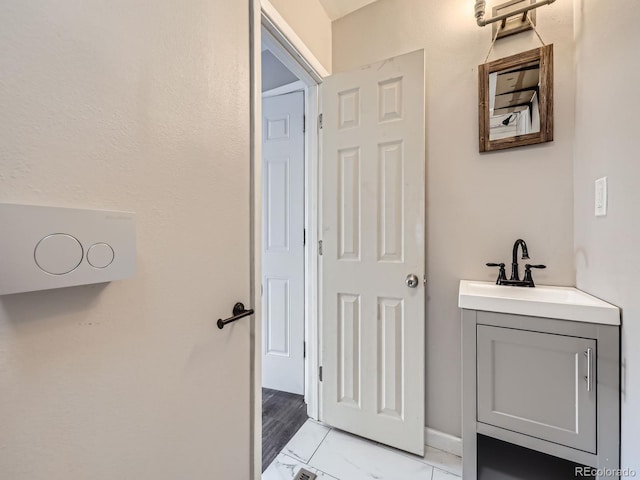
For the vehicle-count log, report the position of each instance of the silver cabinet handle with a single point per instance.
(588, 378)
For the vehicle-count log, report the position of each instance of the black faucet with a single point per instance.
(515, 275)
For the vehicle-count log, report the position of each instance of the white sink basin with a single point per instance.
(564, 303)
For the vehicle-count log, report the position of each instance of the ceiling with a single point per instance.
(274, 73)
(339, 8)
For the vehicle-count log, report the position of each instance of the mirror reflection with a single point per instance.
(514, 96)
(515, 100)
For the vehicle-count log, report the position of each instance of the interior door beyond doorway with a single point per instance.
(283, 243)
(373, 260)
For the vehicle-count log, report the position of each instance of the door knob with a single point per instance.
(411, 280)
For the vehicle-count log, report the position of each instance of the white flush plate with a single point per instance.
(50, 247)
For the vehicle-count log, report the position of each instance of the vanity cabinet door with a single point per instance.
(534, 383)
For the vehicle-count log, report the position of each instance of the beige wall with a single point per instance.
(607, 249)
(311, 23)
(477, 205)
(139, 106)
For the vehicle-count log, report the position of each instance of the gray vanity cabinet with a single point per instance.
(539, 384)
(546, 384)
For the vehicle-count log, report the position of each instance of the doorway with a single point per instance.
(288, 392)
(372, 346)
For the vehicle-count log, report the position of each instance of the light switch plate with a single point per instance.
(601, 197)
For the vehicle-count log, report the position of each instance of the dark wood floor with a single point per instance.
(282, 416)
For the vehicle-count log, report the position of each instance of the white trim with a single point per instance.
(284, 89)
(443, 441)
(255, 344)
(274, 23)
(318, 291)
(312, 259)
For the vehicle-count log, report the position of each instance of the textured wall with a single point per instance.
(606, 144)
(139, 106)
(477, 205)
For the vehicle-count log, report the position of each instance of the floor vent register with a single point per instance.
(305, 475)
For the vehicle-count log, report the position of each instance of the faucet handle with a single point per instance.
(528, 278)
(502, 274)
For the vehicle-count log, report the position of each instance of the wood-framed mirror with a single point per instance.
(515, 100)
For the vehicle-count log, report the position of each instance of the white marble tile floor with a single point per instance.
(306, 441)
(335, 455)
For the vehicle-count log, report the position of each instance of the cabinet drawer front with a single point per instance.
(534, 383)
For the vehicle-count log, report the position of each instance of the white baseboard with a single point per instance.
(443, 441)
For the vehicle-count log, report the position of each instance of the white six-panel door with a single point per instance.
(283, 243)
(373, 238)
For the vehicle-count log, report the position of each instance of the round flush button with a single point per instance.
(58, 254)
(100, 255)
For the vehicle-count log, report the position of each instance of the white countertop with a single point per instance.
(564, 303)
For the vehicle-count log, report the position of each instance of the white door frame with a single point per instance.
(287, 46)
(310, 86)
(296, 86)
